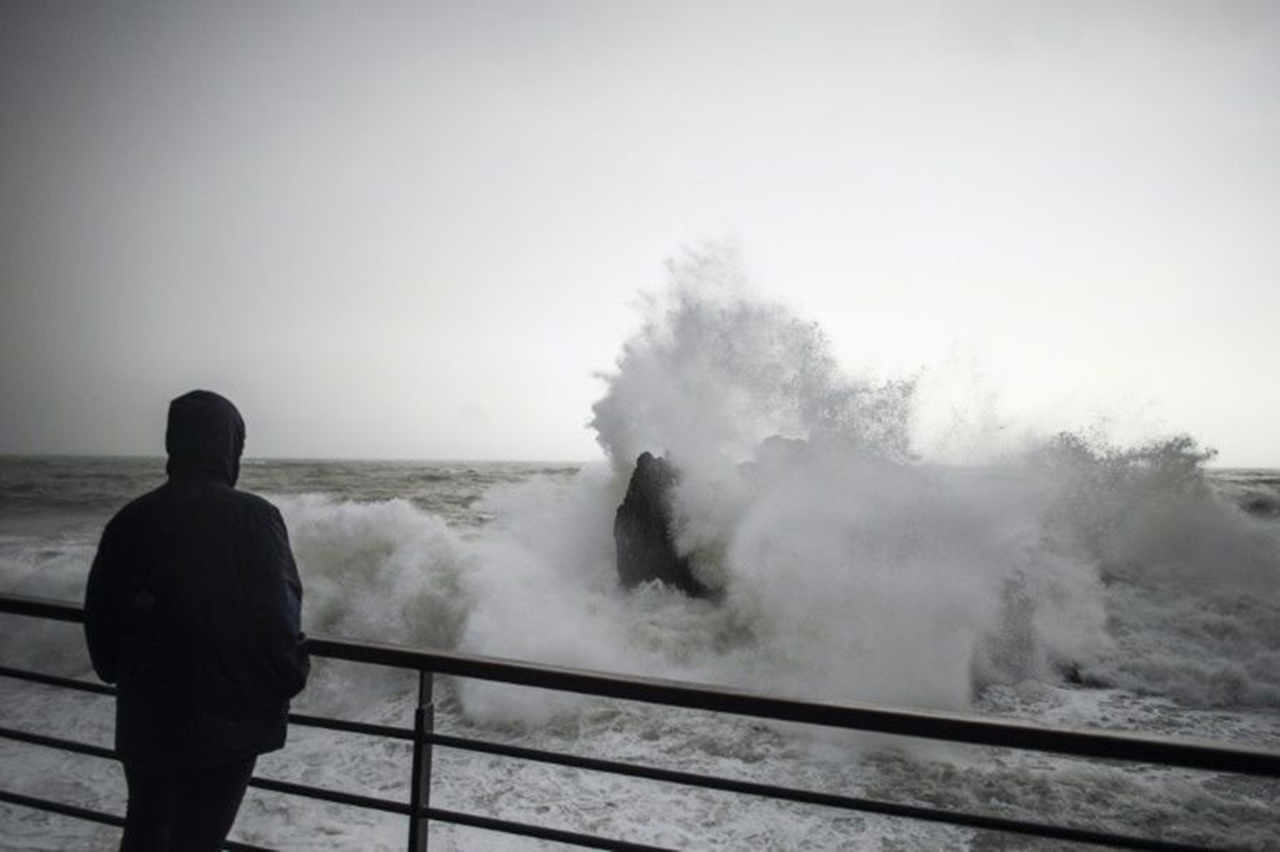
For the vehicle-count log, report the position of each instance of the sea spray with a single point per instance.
(877, 582)
(1192, 583)
(543, 590)
(845, 566)
(845, 571)
(844, 575)
(544, 587)
(377, 571)
(714, 371)
(382, 571)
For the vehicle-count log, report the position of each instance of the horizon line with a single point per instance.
(466, 460)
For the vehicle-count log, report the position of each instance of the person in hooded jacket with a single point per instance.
(193, 610)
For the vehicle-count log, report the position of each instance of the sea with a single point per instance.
(897, 540)
(1125, 590)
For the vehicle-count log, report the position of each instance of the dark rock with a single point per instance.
(642, 530)
(1261, 505)
(1073, 674)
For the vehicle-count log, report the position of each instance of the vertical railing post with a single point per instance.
(424, 723)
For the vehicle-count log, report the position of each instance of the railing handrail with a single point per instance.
(928, 724)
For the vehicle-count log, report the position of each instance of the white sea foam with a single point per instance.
(383, 571)
(1192, 583)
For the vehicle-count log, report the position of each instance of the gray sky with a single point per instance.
(417, 229)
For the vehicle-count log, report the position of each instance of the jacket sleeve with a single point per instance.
(275, 598)
(102, 613)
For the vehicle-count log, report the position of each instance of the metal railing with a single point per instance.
(950, 727)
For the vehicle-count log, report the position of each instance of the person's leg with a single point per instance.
(149, 814)
(206, 803)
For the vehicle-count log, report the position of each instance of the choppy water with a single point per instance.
(480, 556)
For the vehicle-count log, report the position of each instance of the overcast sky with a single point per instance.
(417, 230)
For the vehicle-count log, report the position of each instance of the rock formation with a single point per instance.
(642, 530)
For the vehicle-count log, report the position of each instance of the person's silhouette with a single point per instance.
(193, 609)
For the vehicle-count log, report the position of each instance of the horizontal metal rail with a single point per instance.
(711, 782)
(951, 727)
(54, 680)
(339, 797)
(91, 815)
(809, 797)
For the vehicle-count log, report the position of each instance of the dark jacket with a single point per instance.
(193, 605)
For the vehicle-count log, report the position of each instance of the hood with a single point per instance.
(205, 437)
